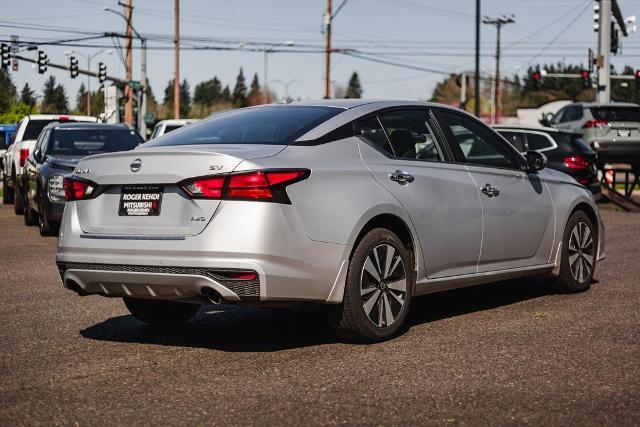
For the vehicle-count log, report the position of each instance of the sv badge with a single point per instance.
(215, 167)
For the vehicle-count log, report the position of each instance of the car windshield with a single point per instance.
(85, 142)
(616, 114)
(275, 125)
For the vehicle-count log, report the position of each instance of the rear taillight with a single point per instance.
(75, 189)
(576, 163)
(595, 124)
(268, 185)
(24, 153)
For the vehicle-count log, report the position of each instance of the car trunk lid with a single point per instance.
(139, 176)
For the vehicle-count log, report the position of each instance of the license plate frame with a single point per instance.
(140, 200)
(624, 133)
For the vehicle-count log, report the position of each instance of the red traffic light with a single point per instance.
(637, 74)
(537, 76)
(584, 74)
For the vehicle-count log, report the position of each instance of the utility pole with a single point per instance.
(327, 50)
(128, 107)
(498, 23)
(176, 73)
(604, 37)
(476, 76)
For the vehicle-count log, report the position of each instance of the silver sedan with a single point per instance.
(359, 205)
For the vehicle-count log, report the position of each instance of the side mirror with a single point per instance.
(535, 161)
(37, 155)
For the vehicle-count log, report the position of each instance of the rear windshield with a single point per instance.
(573, 140)
(34, 127)
(616, 114)
(275, 125)
(85, 142)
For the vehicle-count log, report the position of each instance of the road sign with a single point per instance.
(135, 84)
(150, 118)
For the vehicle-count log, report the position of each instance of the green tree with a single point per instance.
(185, 98)
(226, 94)
(255, 92)
(8, 91)
(17, 112)
(54, 100)
(81, 98)
(354, 89)
(208, 92)
(239, 96)
(27, 96)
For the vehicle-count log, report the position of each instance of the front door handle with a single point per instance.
(401, 177)
(490, 191)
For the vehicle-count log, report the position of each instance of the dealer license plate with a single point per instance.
(140, 200)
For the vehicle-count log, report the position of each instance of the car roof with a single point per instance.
(606, 104)
(89, 119)
(86, 126)
(177, 121)
(350, 103)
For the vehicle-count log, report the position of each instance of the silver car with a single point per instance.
(359, 205)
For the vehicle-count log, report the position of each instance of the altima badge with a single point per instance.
(136, 165)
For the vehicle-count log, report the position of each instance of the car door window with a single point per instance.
(517, 139)
(411, 135)
(371, 130)
(477, 143)
(538, 142)
(557, 118)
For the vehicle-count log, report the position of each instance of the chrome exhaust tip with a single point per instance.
(212, 295)
(75, 287)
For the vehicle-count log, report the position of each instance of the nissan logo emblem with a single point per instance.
(136, 165)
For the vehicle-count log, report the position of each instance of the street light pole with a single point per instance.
(88, 58)
(266, 51)
(286, 85)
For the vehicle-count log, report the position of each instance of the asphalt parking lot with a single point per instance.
(505, 353)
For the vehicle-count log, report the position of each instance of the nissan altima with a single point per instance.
(359, 205)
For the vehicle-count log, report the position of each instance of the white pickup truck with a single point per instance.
(27, 132)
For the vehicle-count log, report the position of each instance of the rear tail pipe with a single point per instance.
(212, 295)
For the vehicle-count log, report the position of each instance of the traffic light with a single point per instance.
(6, 60)
(585, 76)
(42, 62)
(596, 17)
(536, 79)
(614, 39)
(73, 67)
(102, 72)
(637, 78)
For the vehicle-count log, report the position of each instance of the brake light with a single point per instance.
(595, 124)
(75, 189)
(576, 163)
(266, 185)
(24, 153)
(63, 119)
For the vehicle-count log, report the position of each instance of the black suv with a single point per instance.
(566, 151)
(58, 149)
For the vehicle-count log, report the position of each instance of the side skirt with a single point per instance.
(429, 286)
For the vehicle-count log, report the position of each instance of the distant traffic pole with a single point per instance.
(604, 43)
(498, 23)
(128, 107)
(327, 51)
(176, 73)
(476, 77)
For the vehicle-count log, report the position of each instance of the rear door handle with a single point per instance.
(490, 191)
(401, 177)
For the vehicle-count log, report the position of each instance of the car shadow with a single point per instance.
(234, 328)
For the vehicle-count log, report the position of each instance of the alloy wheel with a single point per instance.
(383, 285)
(581, 252)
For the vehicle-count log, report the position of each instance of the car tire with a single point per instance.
(161, 313)
(7, 194)
(18, 199)
(579, 253)
(378, 288)
(46, 227)
(30, 216)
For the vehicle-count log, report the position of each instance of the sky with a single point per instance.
(432, 36)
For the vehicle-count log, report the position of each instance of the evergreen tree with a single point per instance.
(8, 91)
(255, 92)
(185, 98)
(54, 99)
(226, 94)
(208, 92)
(354, 89)
(27, 96)
(81, 98)
(239, 96)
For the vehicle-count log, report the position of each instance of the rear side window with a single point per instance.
(274, 125)
(616, 114)
(411, 136)
(168, 129)
(538, 142)
(85, 142)
(371, 130)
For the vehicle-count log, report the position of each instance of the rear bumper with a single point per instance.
(617, 151)
(262, 237)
